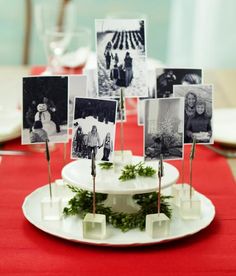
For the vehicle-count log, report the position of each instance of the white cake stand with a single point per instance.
(78, 173)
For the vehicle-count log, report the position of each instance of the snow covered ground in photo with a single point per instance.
(102, 129)
(60, 137)
(107, 86)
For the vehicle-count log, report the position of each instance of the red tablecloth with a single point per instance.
(37, 70)
(25, 250)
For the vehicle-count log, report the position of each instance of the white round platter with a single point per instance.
(70, 228)
(107, 181)
(225, 125)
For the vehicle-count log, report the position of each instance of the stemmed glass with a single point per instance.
(67, 51)
(67, 46)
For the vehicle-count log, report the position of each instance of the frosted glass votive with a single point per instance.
(51, 208)
(94, 226)
(178, 191)
(157, 225)
(190, 208)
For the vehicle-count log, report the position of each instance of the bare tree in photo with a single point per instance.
(164, 128)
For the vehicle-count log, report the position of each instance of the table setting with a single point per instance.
(139, 197)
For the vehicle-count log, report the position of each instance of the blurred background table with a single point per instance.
(224, 97)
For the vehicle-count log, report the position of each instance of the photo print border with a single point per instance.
(121, 57)
(164, 129)
(77, 87)
(152, 84)
(167, 77)
(93, 120)
(45, 103)
(203, 124)
(151, 95)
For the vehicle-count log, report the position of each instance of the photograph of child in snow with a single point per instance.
(93, 128)
(121, 57)
(45, 109)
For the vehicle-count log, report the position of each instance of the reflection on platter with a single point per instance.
(70, 228)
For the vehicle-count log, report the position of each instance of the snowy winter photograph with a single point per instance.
(164, 129)
(120, 116)
(151, 95)
(121, 57)
(93, 129)
(45, 109)
(77, 87)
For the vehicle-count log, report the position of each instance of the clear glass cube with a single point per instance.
(51, 208)
(190, 208)
(157, 225)
(94, 226)
(178, 191)
(121, 158)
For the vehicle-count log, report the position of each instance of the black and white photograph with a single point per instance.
(92, 89)
(198, 112)
(164, 129)
(140, 110)
(121, 57)
(45, 109)
(151, 95)
(93, 128)
(118, 111)
(77, 87)
(167, 77)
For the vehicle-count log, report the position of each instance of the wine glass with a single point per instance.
(67, 51)
(66, 46)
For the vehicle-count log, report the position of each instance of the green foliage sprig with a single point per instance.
(106, 165)
(81, 204)
(131, 171)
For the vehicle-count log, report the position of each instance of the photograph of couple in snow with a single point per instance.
(121, 57)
